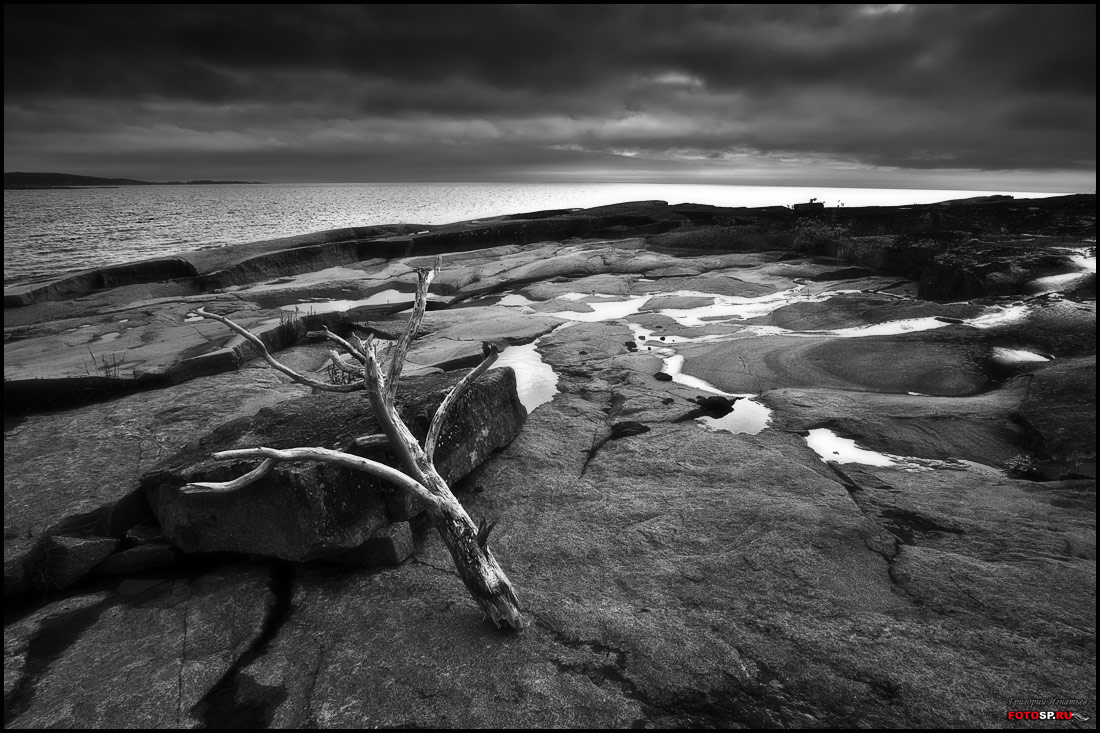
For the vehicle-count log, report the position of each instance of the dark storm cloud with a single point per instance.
(913, 87)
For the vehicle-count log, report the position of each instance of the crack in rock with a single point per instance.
(237, 701)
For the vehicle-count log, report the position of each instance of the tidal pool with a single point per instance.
(536, 381)
(1017, 356)
(747, 418)
(602, 311)
(831, 447)
(384, 297)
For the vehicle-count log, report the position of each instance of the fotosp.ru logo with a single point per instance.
(1046, 708)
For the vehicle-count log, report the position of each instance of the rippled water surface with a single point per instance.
(50, 232)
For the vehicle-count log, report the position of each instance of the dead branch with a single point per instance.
(467, 542)
(424, 279)
(453, 397)
(238, 483)
(322, 455)
(347, 347)
(258, 342)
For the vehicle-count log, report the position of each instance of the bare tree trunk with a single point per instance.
(468, 543)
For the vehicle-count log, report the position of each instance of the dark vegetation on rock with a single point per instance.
(676, 574)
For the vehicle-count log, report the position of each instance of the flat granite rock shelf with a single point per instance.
(748, 467)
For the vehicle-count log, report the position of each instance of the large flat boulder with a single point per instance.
(75, 472)
(304, 511)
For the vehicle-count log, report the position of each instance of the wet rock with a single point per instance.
(306, 511)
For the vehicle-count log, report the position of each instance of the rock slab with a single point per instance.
(305, 511)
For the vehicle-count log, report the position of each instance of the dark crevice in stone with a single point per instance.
(236, 700)
(56, 634)
(617, 430)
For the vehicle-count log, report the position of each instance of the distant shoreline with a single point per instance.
(45, 181)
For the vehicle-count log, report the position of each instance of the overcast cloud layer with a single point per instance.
(906, 96)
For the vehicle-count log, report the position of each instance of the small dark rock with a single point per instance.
(631, 427)
(389, 545)
(662, 377)
(716, 405)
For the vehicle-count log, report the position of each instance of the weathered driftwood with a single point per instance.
(467, 542)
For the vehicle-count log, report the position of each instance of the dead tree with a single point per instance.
(467, 542)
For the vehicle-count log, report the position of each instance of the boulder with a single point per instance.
(303, 511)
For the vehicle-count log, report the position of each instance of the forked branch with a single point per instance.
(467, 542)
(444, 409)
(424, 277)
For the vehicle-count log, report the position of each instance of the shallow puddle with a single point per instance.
(831, 447)
(1017, 356)
(727, 307)
(747, 418)
(385, 297)
(1056, 283)
(515, 299)
(605, 311)
(536, 381)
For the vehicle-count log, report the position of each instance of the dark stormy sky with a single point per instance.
(980, 96)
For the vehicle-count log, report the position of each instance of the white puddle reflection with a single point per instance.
(384, 297)
(515, 299)
(747, 417)
(1054, 283)
(832, 447)
(536, 381)
(728, 307)
(999, 316)
(603, 311)
(1017, 356)
(674, 363)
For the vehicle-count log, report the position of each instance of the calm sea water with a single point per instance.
(51, 232)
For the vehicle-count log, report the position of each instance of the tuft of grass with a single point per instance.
(110, 367)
